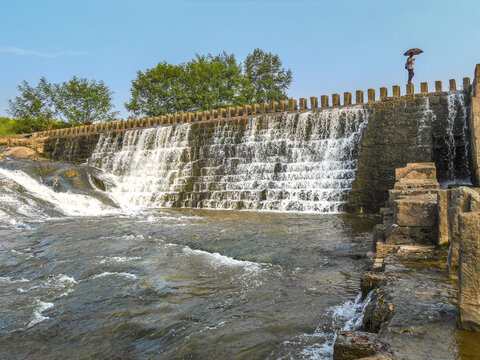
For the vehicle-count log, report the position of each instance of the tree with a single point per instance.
(47, 105)
(203, 83)
(81, 101)
(268, 80)
(33, 108)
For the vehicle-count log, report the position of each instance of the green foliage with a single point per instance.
(6, 126)
(207, 82)
(268, 80)
(81, 101)
(50, 106)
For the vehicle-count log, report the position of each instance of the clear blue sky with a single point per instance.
(330, 45)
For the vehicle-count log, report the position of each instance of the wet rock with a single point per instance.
(469, 274)
(70, 173)
(464, 199)
(359, 345)
(399, 235)
(379, 311)
(97, 182)
(371, 280)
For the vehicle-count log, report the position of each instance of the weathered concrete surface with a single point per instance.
(463, 199)
(469, 274)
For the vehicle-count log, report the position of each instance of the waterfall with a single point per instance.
(457, 163)
(292, 162)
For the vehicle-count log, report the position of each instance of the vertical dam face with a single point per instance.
(293, 162)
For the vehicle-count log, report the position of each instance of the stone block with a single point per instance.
(335, 99)
(396, 91)
(424, 88)
(443, 200)
(452, 85)
(438, 86)
(383, 93)
(410, 235)
(419, 210)
(324, 100)
(359, 97)
(347, 98)
(313, 102)
(410, 89)
(469, 274)
(463, 199)
(418, 171)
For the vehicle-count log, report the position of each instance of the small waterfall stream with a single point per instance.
(457, 163)
(294, 162)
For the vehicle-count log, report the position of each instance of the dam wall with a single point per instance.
(278, 156)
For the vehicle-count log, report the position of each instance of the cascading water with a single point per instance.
(302, 163)
(457, 166)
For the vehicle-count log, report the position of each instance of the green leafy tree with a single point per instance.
(33, 108)
(82, 101)
(269, 81)
(203, 83)
(47, 105)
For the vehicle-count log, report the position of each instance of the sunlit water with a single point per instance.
(81, 278)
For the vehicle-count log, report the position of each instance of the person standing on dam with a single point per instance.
(409, 66)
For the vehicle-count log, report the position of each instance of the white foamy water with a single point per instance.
(108, 273)
(456, 104)
(217, 260)
(296, 162)
(345, 317)
(38, 312)
(67, 203)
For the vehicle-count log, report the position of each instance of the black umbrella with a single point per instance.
(415, 51)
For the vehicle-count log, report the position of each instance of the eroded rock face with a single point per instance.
(469, 274)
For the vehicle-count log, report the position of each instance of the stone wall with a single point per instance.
(474, 125)
(401, 130)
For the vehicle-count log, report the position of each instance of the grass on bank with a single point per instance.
(7, 126)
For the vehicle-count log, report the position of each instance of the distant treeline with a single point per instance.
(203, 83)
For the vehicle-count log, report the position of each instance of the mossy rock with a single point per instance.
(70, 173)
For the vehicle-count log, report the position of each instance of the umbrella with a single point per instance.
(415, 51)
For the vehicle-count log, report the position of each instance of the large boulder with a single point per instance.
(469, 274)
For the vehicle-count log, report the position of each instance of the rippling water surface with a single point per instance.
(167, 284)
